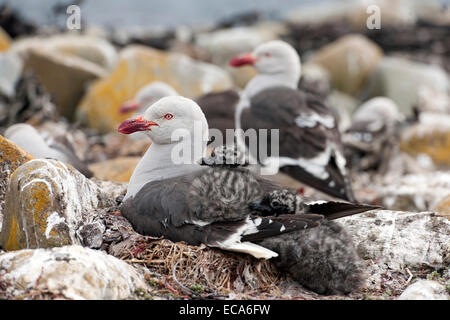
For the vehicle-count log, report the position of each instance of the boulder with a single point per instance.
(51, 204)
(138, 66)
(405, 81)
(10, 70)
(350, 60)
(65, 65)
(5, 40)
(224, 44)
(398, 240)
(425, 290)
(116, 170)
(69, 272)
(11, 157)
(430, 136)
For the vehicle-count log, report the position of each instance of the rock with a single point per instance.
(50, 204)
(138, 66)
(431, 136)
(398, 240)
(350, 60)
(224, 44)
(443, 207)
(433, 12)
(5, 40)
(344, 105)
(320, 13)
(413, 192)
(425, 290)
(65, 65)
(402, 80)
(10, 70)
(70, 272)
(392, 12)
(11, 157)
(116, 170)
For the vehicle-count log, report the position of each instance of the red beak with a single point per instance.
(243, 60)
(134, 125)
(129, 106)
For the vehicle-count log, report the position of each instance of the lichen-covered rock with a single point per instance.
(70, 272)
(116, 170)
(425, 290)
(403, 80)
(5, 40)
(65, 65)
(11, 157)
(350, 60)
(398, 240)
(50, 204)
(431, 136)
(138, 66)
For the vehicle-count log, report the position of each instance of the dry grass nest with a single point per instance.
(203, 272)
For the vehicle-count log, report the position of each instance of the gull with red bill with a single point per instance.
(232, 208)
(310, 148)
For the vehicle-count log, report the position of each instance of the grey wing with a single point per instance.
(307, 131)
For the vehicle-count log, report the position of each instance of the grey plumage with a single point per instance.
(307, 130)
(322, 259)
(210, 207)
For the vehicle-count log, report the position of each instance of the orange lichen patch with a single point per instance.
(5, 40)
(12, 242)
(435, 144)
(117, 170)
(443, 207)
(137, 67)
(13, 154)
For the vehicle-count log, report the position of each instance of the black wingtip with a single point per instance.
(334, 210)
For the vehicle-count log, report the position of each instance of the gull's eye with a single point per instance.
(267, 54)
(168, 116)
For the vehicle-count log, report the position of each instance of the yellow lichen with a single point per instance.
(13, 243)
(5, 40)
(117, 170)
(436, 144)
(137, 67)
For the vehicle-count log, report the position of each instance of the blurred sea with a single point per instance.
(163, 13)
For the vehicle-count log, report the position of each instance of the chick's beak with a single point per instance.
(135, 125)
(246, 59)
(129, 106)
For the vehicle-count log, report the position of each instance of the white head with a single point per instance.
(146, 96)
(169, 120)
(276, 60)
(380, 109)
